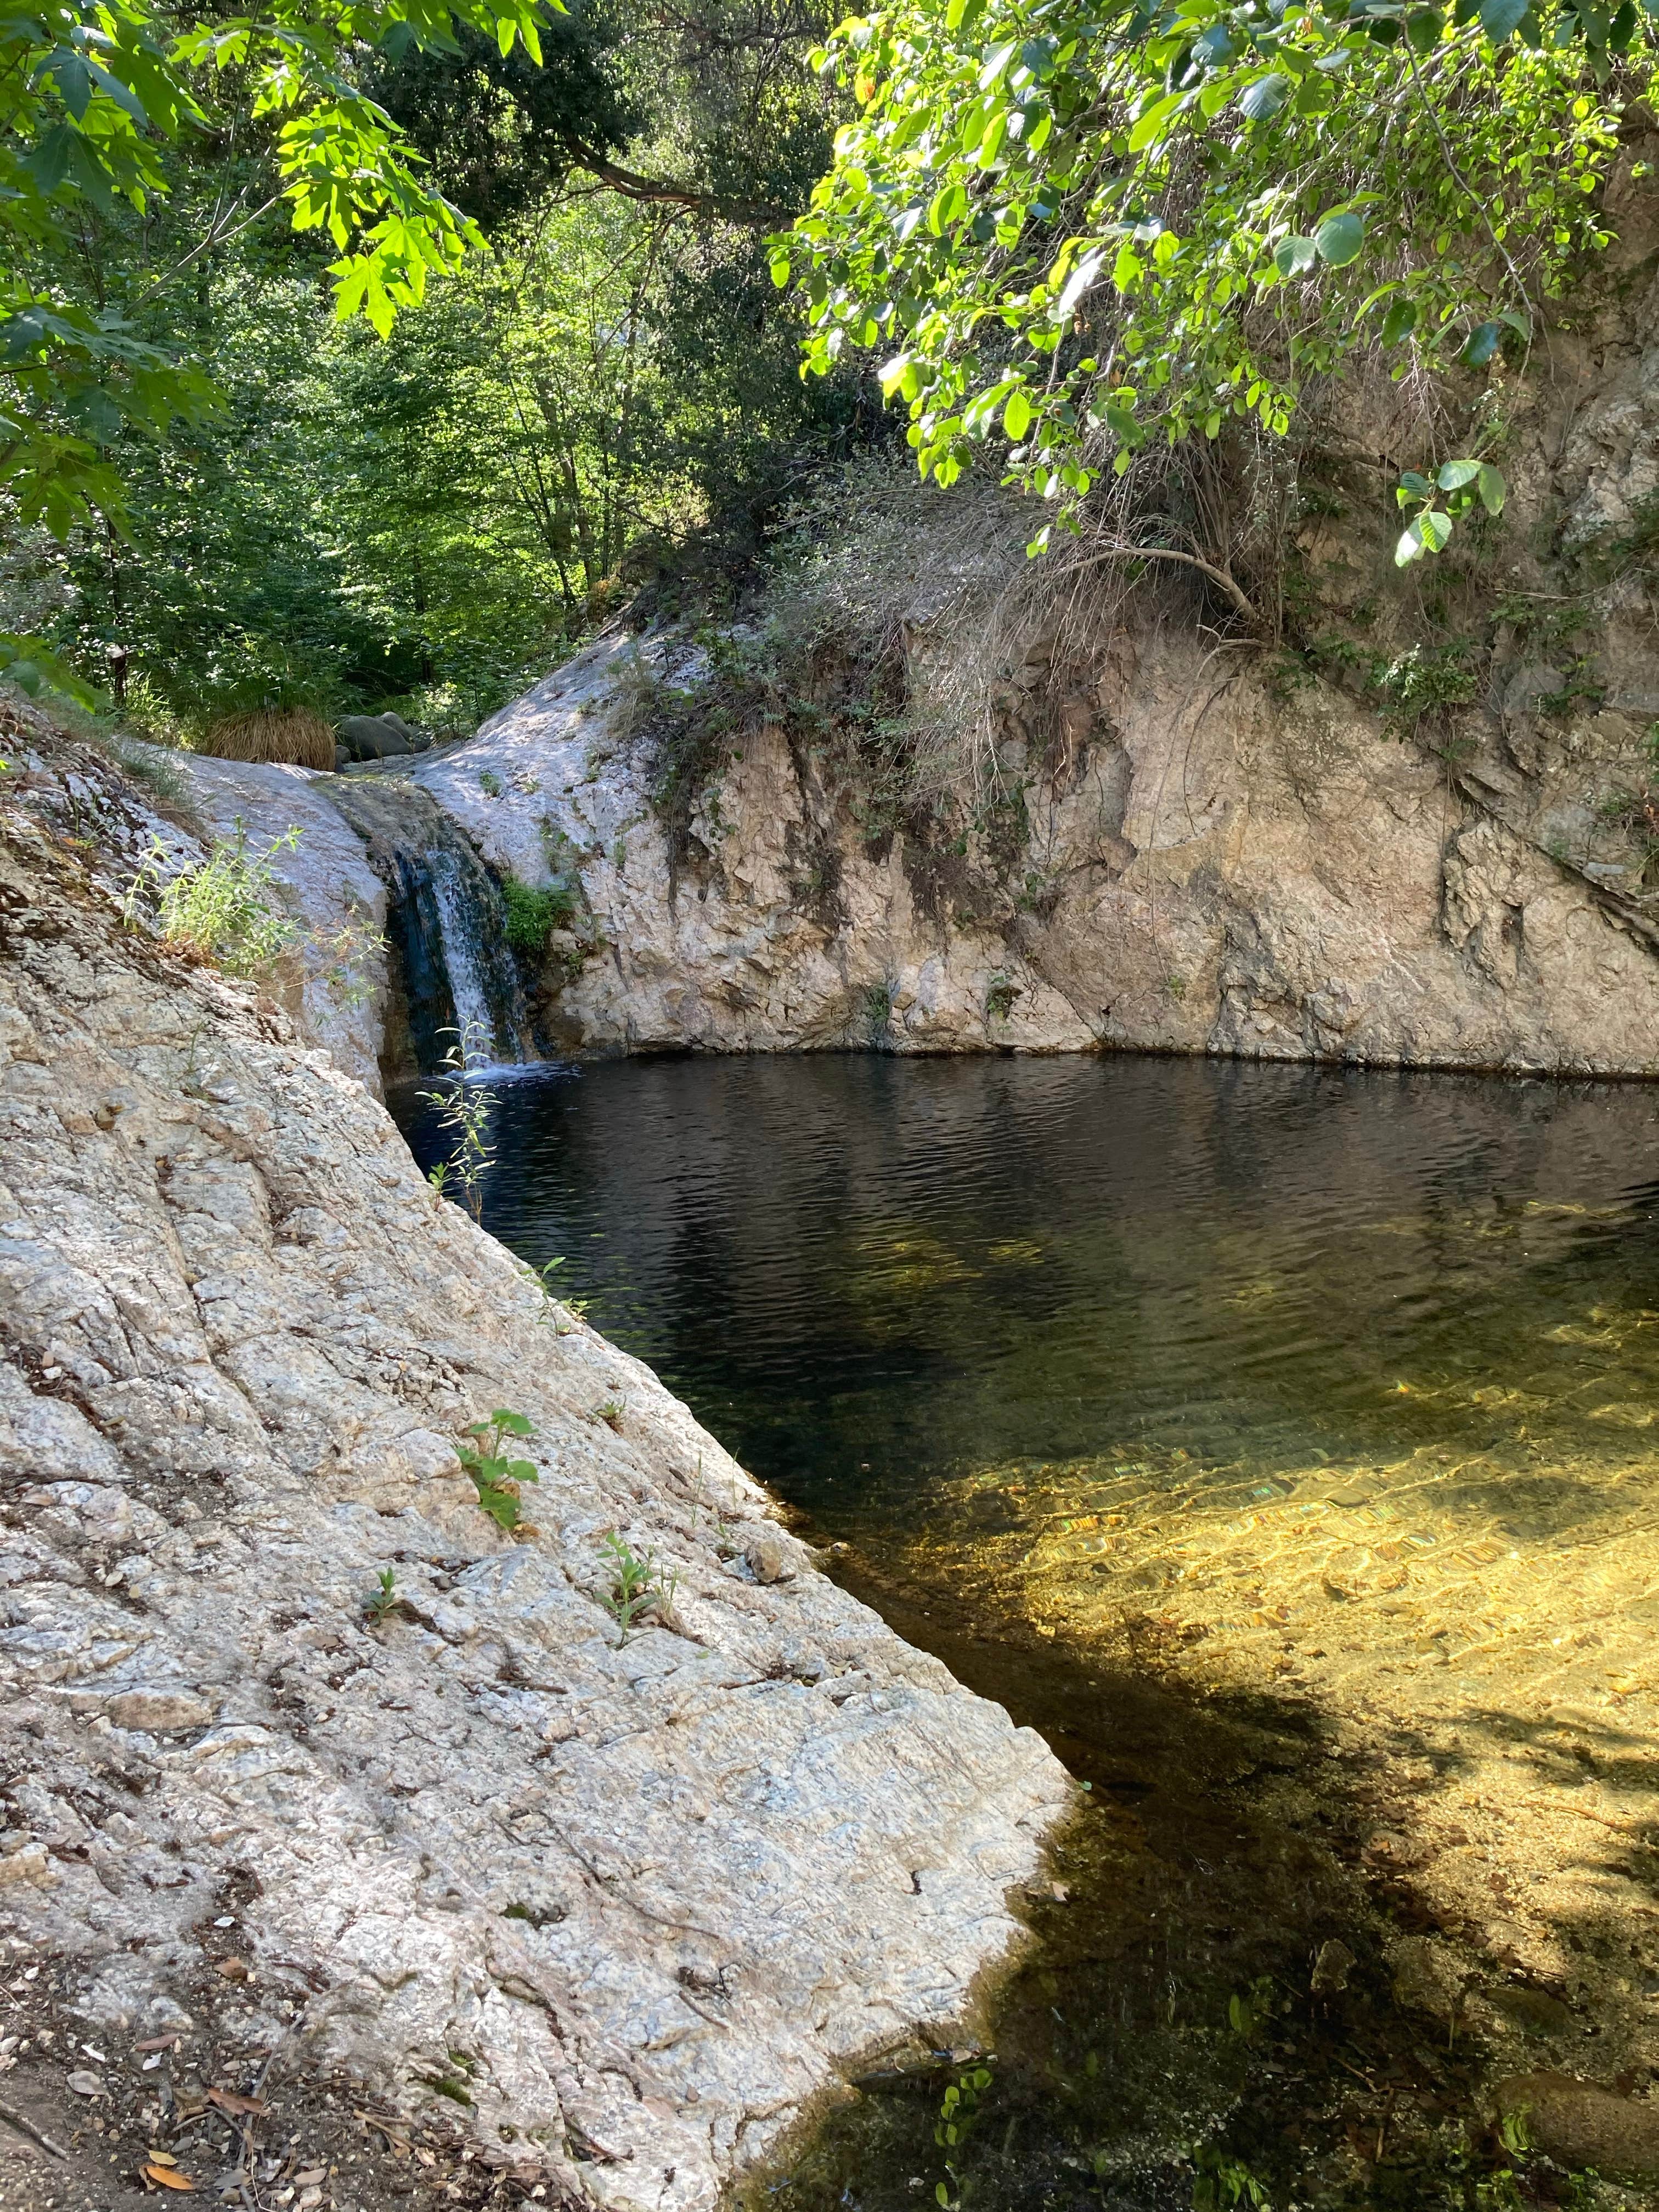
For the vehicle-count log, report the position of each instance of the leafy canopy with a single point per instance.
(93, 94)
(1091, 223)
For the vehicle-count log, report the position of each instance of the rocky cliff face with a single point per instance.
(1212, 868)
(1414, 823)
(620, 1907)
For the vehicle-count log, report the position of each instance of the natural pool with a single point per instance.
(1283, 1444)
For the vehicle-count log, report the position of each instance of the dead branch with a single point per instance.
(1220, 576)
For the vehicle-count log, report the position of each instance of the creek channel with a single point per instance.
(1282, 1443)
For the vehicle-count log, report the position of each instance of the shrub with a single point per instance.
(533, 915)
(226, 910)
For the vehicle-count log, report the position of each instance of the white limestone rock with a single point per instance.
(658, 1897)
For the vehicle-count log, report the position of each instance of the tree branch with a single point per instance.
(1219, 576)
(668, 193)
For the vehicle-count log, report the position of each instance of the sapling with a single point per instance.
(463, 1109)
(549, 1309)
(495, 1477)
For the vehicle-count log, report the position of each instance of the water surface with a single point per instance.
(1278, 1440)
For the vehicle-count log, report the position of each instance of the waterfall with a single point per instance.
(447, 927)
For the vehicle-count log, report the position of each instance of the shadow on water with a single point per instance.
(1280, 1443)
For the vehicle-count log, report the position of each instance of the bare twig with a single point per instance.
(25, 2126)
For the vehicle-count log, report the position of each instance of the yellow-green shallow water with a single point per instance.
(1283, 1444)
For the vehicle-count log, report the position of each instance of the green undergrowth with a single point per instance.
(227, 909)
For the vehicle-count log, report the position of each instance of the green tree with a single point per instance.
(1087, 226)
(101, 101)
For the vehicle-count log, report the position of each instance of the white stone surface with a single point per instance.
(644, 1901)
(334, 981)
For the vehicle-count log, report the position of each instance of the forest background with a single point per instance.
(254, 457)
(607, 392)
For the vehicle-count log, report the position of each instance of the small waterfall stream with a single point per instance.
(446, 925)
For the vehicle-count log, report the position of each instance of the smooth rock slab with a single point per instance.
(650, 1900)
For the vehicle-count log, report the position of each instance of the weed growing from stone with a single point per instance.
(610, 1412)
(875, 1010)
(464, 1112)
(638, 1585)
(227, 910)
(550, 1305)
(495, 1477)
(384, 1600)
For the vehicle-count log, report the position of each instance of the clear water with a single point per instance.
(1242, 1428)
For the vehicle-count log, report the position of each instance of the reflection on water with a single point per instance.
(1282, 1443)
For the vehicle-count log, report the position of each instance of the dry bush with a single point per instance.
(887, 571)
(295, 736)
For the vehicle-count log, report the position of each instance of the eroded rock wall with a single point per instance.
(1213, 867)
(634, 1901)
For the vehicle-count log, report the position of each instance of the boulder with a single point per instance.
(662, 1895)
(379, 737)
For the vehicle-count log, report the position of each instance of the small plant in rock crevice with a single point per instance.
(1000, 993)
(384, 1600)
(495, 1476)
(875, 1010)
(548, 1313)
(226, 910)
(610, 1412)
(638, 1585)
(464, 1113)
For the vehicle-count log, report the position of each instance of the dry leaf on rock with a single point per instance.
(232, 2101)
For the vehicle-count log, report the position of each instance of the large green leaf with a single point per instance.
(1399, 321)
(1266, 97)
(1498, 18)
(1339, 238)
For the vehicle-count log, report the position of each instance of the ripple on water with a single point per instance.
(1282, 1443)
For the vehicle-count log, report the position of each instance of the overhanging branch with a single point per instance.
(666, 191)
(1217, 576)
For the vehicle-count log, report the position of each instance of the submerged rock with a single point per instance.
(628, 1902)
